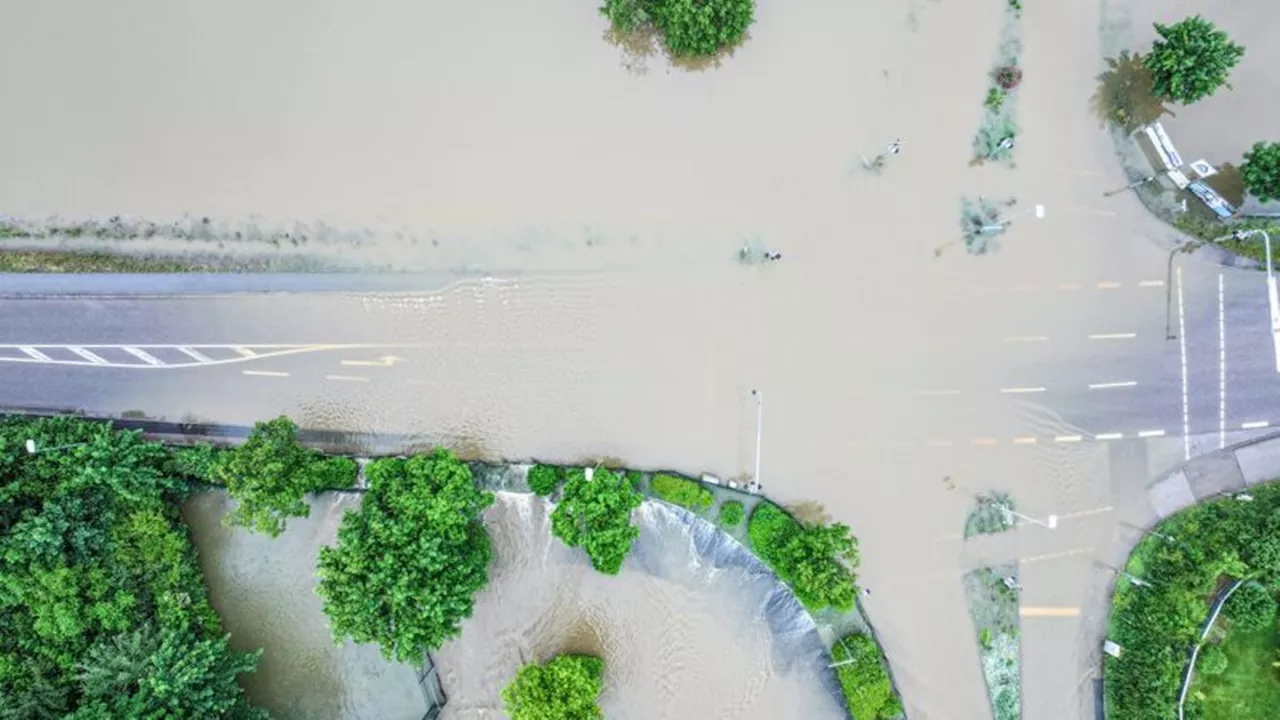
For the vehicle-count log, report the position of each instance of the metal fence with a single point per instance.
(432, 691)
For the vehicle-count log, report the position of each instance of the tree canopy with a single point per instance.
(408, 563)
(269, 475)
(564, 688)
(689, 28)
(103, 611)
(817, 561)
(1191, 60)
(595, 515)
(1261, 171)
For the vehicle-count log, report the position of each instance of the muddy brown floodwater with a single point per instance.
(694, 626)
(507, 137)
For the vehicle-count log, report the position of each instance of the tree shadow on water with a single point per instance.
(640, 47)
(1229, 183)
(1125, 96)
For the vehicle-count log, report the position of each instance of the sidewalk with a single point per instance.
(1230, 470)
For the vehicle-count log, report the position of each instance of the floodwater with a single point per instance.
(692, 627)
(509, 138)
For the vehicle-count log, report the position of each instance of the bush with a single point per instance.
(1261, 171)
(689, 28)
(731, 514)
(1212, 660)
(1191, 60)
(408, 563)
(564, 688)
(271, 473)
(596, 516)
(817, 561)
(1008, 77)
(544, 479)
(868, 693)
(681, 491)
(1157, 624)
(1251, 608)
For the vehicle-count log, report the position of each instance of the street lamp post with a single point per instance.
(1038, 210)
(32, 449)
(1051, 522)
(1273, 300)
(759, 396)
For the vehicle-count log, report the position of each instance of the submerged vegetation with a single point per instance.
(563, 688)
(594, 513)
(868, 692)
(990, 514)
(688, 28)
(998, 129)
(681, 491)
(993, 604)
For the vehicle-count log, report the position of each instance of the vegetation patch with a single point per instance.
(998, 128)
(103, 610)
(817, 561)
(990, 514)
(731, 514)
(545, 479)
(408, 563)
(993, 604)
(1236, 675)
(1182, 564)
(564, 688)
(681, 491)
(868, 691)
(687, 28)
(595, 514)
(1191, 59)
(982, 221)
(270, 474)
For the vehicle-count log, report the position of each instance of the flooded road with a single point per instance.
(612, 207)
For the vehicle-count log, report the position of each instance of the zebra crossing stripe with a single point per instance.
(195, 355)
(35, 354)
(96, 360)
(143, 355)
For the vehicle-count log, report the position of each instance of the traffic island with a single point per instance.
(992, 513)
(998, 128)
(992, 593)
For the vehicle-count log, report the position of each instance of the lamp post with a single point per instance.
(1038, 210)
(1273, 299)
(1051, 522)
(32, 449)
(759, 396)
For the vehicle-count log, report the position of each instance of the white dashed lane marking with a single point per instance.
(1109, 385)
(1113, 336)
(265, 373)
(1254, 425)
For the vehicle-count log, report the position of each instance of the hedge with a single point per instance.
(1156, 625)
(868, 692)
(817, 561)
(681, 491)
(544, 479)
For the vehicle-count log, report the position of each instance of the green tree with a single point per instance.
(867, 690)
(1261, 171)
(595, 515)
(693, 28)
(1212, 661)
(681, 491)
(565, 688)
(269, 475)
(1251, 607)
(628, 16)
(1191, 60)
(408, 563)
(818, 563)
(544, 479)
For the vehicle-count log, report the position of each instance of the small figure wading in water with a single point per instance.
(771, 256)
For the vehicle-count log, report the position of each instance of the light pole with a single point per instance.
(759, 396)
(32, 449)
(1273, 299)
(1051, 522)
(1038, 210)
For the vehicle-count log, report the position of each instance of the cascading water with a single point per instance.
(693, 626)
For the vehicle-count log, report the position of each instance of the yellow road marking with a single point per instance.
(1054, 556)
(346, 378)
(1048, 611)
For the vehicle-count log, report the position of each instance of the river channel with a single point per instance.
(692, 627)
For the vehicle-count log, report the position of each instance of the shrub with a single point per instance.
(544, 479)
(731, 514)
(1212, 660)
(816, 561)
(868, 693)
(564, 688)
(1191, 60)
(596, 516)
(1251, 608)
(681, 491)
(1008, 77)
(689, 28)
(995, 98)
(1261, 171)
